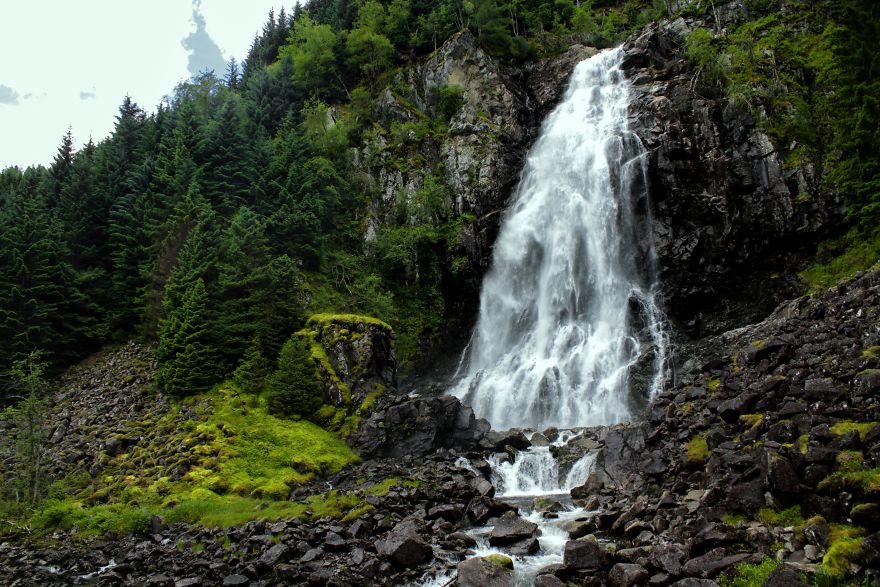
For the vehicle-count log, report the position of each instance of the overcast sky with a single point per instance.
(71, 62)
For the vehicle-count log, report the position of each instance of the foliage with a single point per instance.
(25, 483)
(750, 575)
(449, 101)
(99, 520)
(189, 362)
(789, 517)
(293, 389)
(846, 544)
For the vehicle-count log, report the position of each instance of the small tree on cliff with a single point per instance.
(188, 363)
(294, 388)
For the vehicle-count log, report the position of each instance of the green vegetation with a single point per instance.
(750, 575)
(697, 450)
(499, 560)
(66, 515)
(25, 481)
(841, 428)
(240, 463)
(850, 460)
(751, 420)
(845, 545)
(294, 387)
(789, 517)
(805, 73)
(863, 482)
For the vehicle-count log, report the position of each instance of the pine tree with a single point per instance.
(251, 373)
(293, 389)
(62, 165)
(188, 361)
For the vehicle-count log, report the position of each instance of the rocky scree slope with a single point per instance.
(767, 446)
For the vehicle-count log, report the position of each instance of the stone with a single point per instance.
(160, 580)
(235, 580)
(583, 554)
(334, 541)
(404, 546)
(785, 576)
(628, 575)
(479, 572)
(276, 554)
(312, 554)
(548, 581)
(510, 528)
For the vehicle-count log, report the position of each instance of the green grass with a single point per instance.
(789, 517)
(747, 575)
(845, 257)
(116, 519)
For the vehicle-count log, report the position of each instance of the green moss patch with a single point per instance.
(68, 515)
(216, 511)
(865, 482)
(499, 560)
(327, 319)
(697, 450)
(235, 461)
(846, 543)
(862, 428)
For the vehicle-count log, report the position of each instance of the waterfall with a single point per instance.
(568, 306)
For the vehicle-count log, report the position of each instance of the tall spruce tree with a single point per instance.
(188, 360)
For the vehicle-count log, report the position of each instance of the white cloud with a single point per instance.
(8, 95)
(204, 53)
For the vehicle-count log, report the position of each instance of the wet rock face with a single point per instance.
(725, 204)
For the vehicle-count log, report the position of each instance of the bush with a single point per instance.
(294, 389)
(449, 101)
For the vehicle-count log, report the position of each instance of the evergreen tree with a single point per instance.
(188, 361)
(61, 168)
(293, 389)
(228, 173)
(34, 277)
(251, 373)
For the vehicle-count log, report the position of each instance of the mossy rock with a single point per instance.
(505, 562)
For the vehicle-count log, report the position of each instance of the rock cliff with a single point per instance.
(728, 211)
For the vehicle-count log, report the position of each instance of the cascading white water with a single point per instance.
(535, 472)
(572, 271)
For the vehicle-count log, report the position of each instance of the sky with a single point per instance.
(70, 63)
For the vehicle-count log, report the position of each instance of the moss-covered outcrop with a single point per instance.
(356, 362)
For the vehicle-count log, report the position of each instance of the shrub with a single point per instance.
(449, 101)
